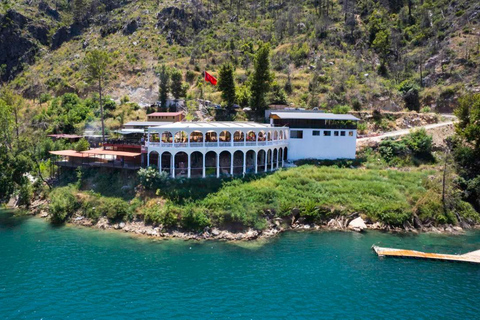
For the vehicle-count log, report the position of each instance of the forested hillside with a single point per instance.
(388, 54)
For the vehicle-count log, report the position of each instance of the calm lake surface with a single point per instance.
(75, 273)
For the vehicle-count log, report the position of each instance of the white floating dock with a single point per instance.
(472, 257)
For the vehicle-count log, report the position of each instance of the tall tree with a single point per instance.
(15, 103)
(261, 79)
(164, 86)
(177, 87)
(97, 63)
(226, 84)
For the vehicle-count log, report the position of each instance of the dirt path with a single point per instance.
(399, 133)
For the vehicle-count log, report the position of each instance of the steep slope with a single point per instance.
(325, 53)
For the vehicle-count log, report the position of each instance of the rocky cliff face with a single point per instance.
(19, 42)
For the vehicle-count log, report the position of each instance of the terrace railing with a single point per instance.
(223, 144)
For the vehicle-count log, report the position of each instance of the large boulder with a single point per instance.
(357, 225)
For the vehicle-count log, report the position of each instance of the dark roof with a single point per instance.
(312, 116)
(165, 114)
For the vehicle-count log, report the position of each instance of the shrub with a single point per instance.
(339, 109)
(362, 127)
(194, 218)
(25, 193)
(377, 115)
(356, 105)
(82, 145)
(151, 178)
(114, 208)
(410, 93)
(389, 149)
(62, 204)
(419, 142)
(426, 110)
(167, 216)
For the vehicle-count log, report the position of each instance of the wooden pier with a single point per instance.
(472, 257)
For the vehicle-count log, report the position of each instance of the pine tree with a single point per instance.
(177, 87)
(261, 80)
(226, 84)
(164, 76)
(97, 63)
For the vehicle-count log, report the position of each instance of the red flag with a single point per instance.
(210, 78)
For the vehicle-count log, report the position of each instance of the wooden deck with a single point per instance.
(472, 257)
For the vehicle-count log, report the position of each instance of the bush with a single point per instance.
(114, 209)
(82, 145)
(151, 178)
(389, 149)
(62, 204)
(339, 109)
(194, 218)
(25, 193)
(419, 142)
(166, 216)
(426, 110)
(356, 105)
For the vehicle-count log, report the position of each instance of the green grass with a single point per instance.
(319, 193)
(315, 193)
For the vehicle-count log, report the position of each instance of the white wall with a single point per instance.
(322, 147)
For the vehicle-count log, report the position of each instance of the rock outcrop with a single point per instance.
(19, 39)
(357, 225)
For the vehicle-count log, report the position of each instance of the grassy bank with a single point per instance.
(313, 193)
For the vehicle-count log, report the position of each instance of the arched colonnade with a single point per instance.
(198, 164)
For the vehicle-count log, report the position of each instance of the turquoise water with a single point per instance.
(72, 273)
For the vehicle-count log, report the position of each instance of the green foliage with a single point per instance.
(177, 87)
(114, 209)
(62, 204)
(194, 218)
(66, 114)
(167, 216)
(226, 85)
(97, 64)
(25, 194)
(417, 143)
(339, 109)
(468, 113)
(151, 178)
(243, 96)
(164, 86)
(298, 54)
(410, 93)
(277, 94)
(82, 145)
(466, 147)
(261, 80)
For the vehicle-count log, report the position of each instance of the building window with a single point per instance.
(350, 133)
(316, 133)
(327, 133)
(296, 134)
(342, 133)
(335, 133)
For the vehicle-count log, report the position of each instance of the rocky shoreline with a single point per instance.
(275, 226)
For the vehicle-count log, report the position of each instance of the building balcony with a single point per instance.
(216, 144)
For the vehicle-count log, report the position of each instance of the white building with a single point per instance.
(317, 135)
(200, 149)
